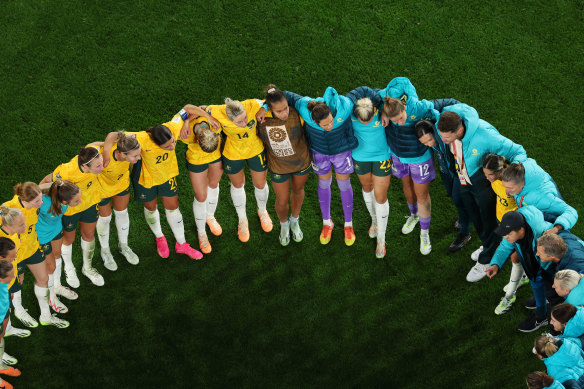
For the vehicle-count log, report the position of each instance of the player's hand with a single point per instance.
(261, 115)
(553, 230)
(185, 130)
(106, 159)
(214, 122)
(384, 119)
(492, 271)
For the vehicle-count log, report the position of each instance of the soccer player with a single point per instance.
(242, 146)
(372, 161)
(28, 199)
(205, 170)
(540, 380)
(331, 139)
(469, 139)
(282, 131)
(493, 166)
(81, 170)
(7, 275)
(155, 176)
(428, 135)
(568, 320)
(532, 185)
(411, 160)
(115, 185)
(59, 196)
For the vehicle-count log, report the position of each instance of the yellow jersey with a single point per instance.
(115, 178)
(505, 203)
(195, 155)
(158, 165)
(241, 143)
(29, 240)
(87, 182)
(16, 239)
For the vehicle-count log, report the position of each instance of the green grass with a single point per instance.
(257, 314)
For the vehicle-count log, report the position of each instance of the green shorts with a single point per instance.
(279, 178)
(36, 258)
(257, 164)
(107, 201)
(90, 215)
(201, 168)
(47, 247)
(378, 168)
(17, 286)
(167, 189)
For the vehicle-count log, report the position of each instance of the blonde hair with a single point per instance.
(567, 279)
(126, 143)
(27, 191)
(393, 107)
(207, 138)
(546, 346)
(8, 216)
(364, 109)
(233, 108)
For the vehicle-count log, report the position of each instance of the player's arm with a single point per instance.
(95, 144)
(195, 112)
(107, 145)
(47, 180)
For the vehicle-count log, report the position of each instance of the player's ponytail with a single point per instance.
(61, 192)
(546, 346)
(127, 143)
(319, 110)
(494, 163)
(273, 95)
(539, 380)
(393, 107)
(207, 138)
(514, 173)
(160, 134)
(233, 108)
(27, 191)
(364, 109)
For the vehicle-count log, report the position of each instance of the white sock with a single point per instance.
(369, 198)
(103, 230)
(293, 219)
(261, 196)
(348, 224)
(238, 197)
(52, 292)
(153, 221)
(57, 273)
(212, 200)
(17, 300)
(381, 214)
(327, 222)
(200, 212)
(9, 325)
(516, 274)
(87, 249)
(41, 295)
(175, 220)
(66, 254)
(123, 226)
(285, 224)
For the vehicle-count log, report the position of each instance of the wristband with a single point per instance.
(183, 114)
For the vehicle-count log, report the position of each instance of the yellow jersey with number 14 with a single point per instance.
(505, 203)
(115, 178)
(87, 182)
(29, 240)
(158, 165)
(195, 155)
(241, 143)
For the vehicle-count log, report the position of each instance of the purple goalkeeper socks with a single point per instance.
(425, 223)
(346, 199)
(413, 208)
(324, 198)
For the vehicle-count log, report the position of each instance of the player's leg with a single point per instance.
(214, 176)
(281, 185)
(200, 183)
(258, 169)
(169, 196)
(16, 292)
(103, 232)
(69, 227)
(234, 170)
(343, 164)
(122, 219)
(366, 180)
(87, 229)
(401, 170)
(381, 179)
(422, 174)
(296, 199)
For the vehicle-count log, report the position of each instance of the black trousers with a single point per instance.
(480, 202)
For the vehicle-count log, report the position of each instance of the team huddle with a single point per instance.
(371, 132)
